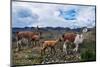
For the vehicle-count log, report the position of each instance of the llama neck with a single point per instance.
(80, 36)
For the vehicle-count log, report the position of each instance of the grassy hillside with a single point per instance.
(31, 56)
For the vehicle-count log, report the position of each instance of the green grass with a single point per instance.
(88, 51)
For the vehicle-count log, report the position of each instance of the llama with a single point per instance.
(73, 38)
(35, 40)
(49, 43)
(28, 35)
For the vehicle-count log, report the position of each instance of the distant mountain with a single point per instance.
(47, 29)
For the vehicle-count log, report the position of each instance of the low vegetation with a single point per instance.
(31, 56)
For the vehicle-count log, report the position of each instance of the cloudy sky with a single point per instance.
(52, 15)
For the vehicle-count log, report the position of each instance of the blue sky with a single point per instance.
(52, 15)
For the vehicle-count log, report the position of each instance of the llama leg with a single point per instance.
(17, 49)
(27, 44)
(51, 50)
(34, 43)
(64, 48)
(20, 42)
(30, 43)
(77, 45)
(43, 50)
(38, 43)
(17, 45)
(54, 50)
(76, 48)
(61, 47)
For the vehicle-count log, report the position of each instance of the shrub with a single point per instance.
(88, 55)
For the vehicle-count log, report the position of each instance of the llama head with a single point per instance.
(84, 30)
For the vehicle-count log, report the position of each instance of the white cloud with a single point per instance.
(49, 14)
(86, 16)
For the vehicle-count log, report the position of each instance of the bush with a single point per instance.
(88, 55)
